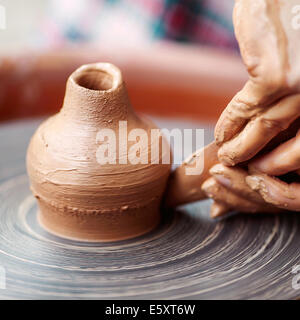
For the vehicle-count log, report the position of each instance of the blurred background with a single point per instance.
(179, 58)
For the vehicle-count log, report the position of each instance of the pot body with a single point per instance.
(79, 196)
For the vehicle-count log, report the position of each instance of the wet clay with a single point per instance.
(183, 188)
(269, 100)
(78, 197)
(270, 50)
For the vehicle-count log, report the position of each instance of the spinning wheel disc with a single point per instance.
(187, 256)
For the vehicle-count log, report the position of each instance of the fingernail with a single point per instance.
(218, 171)
(226, 182)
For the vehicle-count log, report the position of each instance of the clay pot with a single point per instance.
(78, 197)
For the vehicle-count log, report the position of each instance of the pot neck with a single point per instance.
(96, 93)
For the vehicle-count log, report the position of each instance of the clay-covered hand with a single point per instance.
(282, 160)
(229, 190)
(268, 36)
(227, 186)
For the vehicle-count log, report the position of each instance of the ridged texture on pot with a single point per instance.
(78, 197)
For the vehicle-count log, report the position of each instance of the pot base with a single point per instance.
(99, 227)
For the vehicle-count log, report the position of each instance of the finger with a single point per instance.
(246, 104)
(218, 209)
(260, 55)
(234, 179)
(276, 192)
(282, 160)
(183, 188)
(261, 130)
(222, 195)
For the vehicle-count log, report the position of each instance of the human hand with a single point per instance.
(282, 160)
(228, 188)
(270, 100)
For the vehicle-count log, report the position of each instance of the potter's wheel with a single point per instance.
(188, 256)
